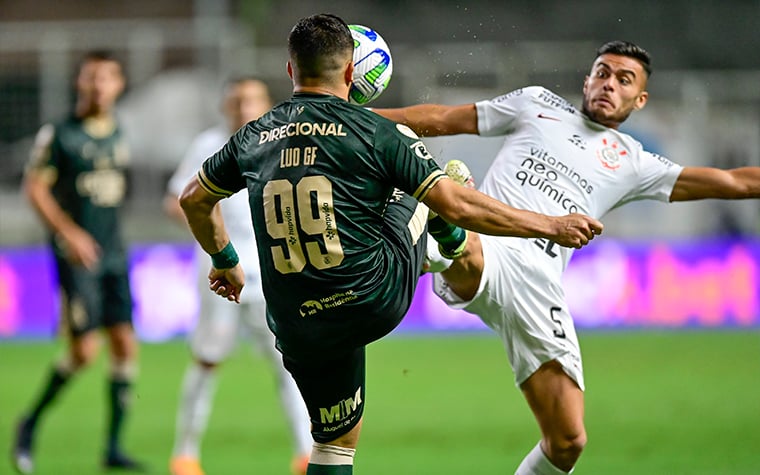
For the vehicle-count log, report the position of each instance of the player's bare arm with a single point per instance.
(173, 209)
(205, 220)
(81, 248)
(697, 183)
(430, 120)
(478, 212)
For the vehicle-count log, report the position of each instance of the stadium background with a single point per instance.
(675, 288)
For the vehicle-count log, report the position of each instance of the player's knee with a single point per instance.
(565, 449)
(82, 353)
(123, 345)
(206, 364)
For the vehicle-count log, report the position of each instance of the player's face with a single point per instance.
(246, 101)
(614, 89)
(99, 84)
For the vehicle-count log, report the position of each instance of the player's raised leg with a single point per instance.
(462, 273)
(451, 239)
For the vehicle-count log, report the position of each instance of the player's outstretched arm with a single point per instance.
(430, 120)
(697, 183)
(205, 220)
(478, 212)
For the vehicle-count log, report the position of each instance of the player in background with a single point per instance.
(220, 322)
(76, 181)
(334, 191)
(556, 159)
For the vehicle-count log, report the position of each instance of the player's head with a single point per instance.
(616, 85)
(99, 83)
(246, 98)
(321, 52)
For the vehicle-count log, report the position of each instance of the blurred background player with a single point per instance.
(214, 337)
(76, 182)
(557, 159)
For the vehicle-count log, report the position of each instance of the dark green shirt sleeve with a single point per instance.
(220, 174)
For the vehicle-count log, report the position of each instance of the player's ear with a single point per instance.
(585, 85)
(641, 100)
(290, 70)
(348, 74)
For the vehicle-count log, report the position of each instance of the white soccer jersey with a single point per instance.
(235, 209)
(556, 161)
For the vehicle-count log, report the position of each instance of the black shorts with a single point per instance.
(333, 390)
(91, 300)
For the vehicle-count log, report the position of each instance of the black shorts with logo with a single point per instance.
(333, 390)
(93, 299)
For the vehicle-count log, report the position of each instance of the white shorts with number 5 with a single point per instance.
(524, 306)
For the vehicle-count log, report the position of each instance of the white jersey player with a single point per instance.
(556, 160)
(220, 322)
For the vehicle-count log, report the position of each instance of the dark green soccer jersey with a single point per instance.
(85, 162)
(319, 172)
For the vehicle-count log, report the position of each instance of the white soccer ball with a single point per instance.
(373, 65)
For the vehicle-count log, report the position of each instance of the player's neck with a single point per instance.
(325, 90)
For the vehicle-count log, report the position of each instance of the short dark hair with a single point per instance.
(625, 48)
(98, 55)
(318, 44)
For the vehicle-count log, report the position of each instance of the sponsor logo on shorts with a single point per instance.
(341, 411)
(312, 307)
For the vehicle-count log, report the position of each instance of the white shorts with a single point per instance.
(525, 307)
(221, 323)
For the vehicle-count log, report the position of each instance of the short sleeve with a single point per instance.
(406, 159)
(43, 160)
(657, 177)
(220, 174)
(498, 116)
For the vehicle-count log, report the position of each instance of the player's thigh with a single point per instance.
(215, 334)
(334, 392)
(526, 307)
(117, 298)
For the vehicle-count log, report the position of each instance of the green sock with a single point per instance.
(450, 237)
(119, 392)
(56, 381)
(330, 470)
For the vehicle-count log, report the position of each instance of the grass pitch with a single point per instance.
(656, 403)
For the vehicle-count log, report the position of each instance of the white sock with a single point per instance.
(198, 389)
(536, 463)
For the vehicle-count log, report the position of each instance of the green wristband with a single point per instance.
(227, 258)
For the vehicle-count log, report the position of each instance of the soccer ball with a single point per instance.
(373, 65)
